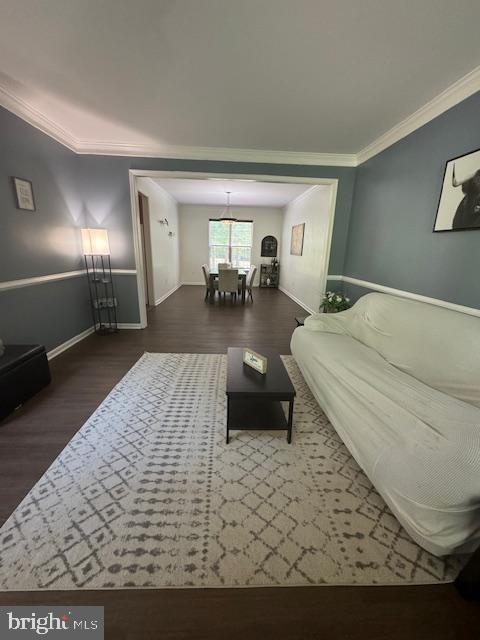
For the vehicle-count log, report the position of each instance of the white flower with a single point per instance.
(339, 299)
(347, 299)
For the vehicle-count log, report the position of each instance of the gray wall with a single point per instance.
(42, 242)
(48, 313)
(45, 241)
(74, 191)
(395, 202)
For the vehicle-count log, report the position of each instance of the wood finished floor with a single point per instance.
(83, 376)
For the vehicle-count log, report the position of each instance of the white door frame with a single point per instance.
(202, 175)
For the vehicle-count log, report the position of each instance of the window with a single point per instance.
(230, 243)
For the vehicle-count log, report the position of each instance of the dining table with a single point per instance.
(242, 276)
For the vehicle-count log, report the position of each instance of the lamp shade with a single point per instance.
(95, 242)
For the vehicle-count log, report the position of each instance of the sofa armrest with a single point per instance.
(327, 322)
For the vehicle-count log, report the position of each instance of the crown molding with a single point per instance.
(301, 196)
(34, 117)
(454, 94)
(224, 154)
(460, 90)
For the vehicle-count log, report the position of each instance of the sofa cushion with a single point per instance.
(419, 446)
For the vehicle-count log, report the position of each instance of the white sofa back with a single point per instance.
(438, 346)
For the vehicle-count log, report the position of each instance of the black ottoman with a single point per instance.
(23, 372)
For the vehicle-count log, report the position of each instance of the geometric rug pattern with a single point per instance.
(148, 495)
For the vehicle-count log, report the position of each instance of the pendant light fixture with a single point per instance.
(226, 216)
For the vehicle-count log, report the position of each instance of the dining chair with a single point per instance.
(228, 282)
(206, 275)
(249, 281)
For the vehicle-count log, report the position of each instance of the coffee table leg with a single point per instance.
(290, 421)
(228, 411)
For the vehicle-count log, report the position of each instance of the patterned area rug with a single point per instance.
(147, 494)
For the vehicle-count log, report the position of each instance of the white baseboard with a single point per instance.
(56, 351)
(165, 296)
(130, 325)
(299, 302)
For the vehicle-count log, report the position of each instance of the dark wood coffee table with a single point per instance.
(254, 399)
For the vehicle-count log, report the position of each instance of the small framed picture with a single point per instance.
(296, 244)
(24, 194)
(255, 360)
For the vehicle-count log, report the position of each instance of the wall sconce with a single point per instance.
(164, 221)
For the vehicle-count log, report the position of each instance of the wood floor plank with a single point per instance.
(82, 377)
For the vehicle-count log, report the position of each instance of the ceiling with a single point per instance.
(290, 75)
(244, 193)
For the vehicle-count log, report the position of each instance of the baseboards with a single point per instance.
(56, 351)
(129, 325)
(165, 296)
(299, 302)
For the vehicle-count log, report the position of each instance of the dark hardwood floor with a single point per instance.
(83, 376)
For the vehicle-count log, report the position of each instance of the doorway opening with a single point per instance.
(181, 206)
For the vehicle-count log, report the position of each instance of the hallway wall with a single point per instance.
(165, 262)
(302, 277)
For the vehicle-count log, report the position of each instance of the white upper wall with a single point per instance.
(194, 236)
(165, 263)
(304, 277)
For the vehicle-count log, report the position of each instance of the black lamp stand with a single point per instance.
(102, 296)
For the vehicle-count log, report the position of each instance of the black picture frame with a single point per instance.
(446, 218)
(269, 247)
(25, 199)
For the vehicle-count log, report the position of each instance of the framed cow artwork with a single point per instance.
(459, 204)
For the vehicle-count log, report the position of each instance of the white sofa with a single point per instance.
(400, 382)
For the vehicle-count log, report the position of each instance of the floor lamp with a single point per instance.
(96, 250)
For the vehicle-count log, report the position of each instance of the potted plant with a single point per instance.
(332, 302)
